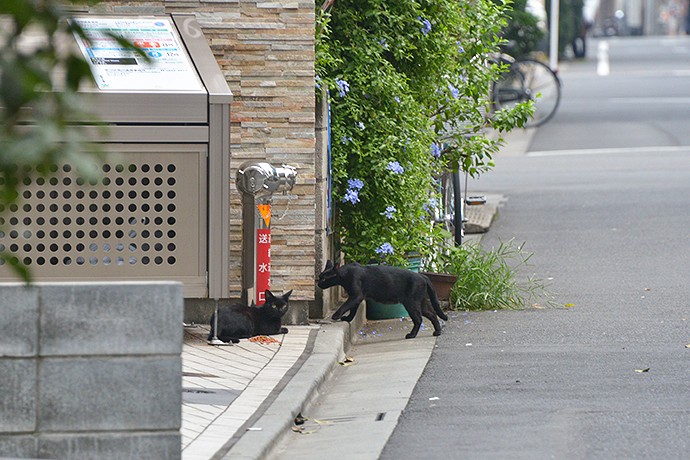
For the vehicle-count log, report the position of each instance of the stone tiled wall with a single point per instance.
(265, 49)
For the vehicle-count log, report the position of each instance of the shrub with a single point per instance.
(409, 90)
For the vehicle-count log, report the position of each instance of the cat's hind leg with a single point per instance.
(416, 316)
(434, 301)
(431, 315)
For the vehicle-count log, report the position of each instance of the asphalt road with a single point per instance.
(602, 199)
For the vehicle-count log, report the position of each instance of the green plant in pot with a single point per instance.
(439, 264)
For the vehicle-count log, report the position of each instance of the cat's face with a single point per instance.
(276, 306)
(328, 277)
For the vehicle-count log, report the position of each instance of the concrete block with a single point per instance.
(199, 311)
(17, 395)
(115, 446)
(19, 327)
(110, 393)
(111, 318)
(18, 446)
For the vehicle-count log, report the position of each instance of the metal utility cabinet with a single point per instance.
(157, 207)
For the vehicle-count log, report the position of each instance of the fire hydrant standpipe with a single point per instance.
(258, 181)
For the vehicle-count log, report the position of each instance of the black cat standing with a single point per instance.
(237, 322)
(386, 285)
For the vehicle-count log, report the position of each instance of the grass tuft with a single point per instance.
(491, 279)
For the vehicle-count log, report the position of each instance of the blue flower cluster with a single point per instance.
(384, 249)
(352, 193)
(395, 167)
(454, 91)
(356, 184)
(343, 87)
(426, 25)
(351, 196)
(389, 212)
(435, 151)
(430, 205)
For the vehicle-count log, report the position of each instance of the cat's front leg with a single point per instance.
(351, 304)
(351, 315)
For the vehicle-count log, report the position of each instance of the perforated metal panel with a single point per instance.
(142, 217)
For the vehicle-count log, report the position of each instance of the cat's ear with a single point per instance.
(287, 294)
(329, 266)
(269, 295)
(253, 304)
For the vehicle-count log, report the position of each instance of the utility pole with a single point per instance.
(553, 35)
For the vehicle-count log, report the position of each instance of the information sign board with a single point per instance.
(117, 68)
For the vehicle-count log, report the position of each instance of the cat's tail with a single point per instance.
(434, 301)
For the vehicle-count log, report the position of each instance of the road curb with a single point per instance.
(330, 345)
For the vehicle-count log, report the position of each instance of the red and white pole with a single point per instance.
(263, 252)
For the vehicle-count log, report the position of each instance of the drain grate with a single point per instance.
(304, 425)
(350, 418)
(215, 397)
(199, 374)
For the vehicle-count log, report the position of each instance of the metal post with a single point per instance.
(553, 35)
(215, 340)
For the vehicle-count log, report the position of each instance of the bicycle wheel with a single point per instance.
(452, 206)
(529, 80)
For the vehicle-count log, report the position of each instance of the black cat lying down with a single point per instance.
(387, 285)
(237, 322)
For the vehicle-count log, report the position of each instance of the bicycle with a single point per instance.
(527, 80)
(450, 213)
(524, 80)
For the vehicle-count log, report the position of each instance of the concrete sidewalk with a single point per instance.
(227, 390)
(239, 400)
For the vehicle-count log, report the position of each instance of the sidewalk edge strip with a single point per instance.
(298, 386)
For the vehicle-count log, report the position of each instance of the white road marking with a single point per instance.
(650, 100)
(613, 150)
(603, 68)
